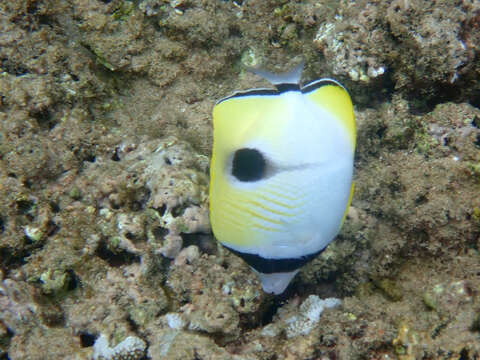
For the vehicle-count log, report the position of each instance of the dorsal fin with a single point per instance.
(290, 77)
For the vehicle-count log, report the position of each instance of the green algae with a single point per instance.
(54, 282)
(390, 289)
(474, 169)
(124, 10)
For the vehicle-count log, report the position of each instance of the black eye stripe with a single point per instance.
(248, 165)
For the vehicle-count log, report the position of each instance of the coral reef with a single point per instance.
(132, 348)
(105, 138)
(303, 319)
(426, 48)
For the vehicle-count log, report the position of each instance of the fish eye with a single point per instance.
(248, 165)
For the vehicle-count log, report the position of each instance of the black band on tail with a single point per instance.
(269, 266)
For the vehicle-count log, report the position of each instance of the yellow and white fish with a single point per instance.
(281, 173)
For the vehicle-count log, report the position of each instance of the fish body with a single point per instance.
(281, 173)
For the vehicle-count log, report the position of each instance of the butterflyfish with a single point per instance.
(281, 173)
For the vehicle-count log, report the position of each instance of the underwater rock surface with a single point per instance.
(105, 137)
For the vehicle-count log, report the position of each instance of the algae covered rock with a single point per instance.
(237, 293)
(371, 42)
(177, 345)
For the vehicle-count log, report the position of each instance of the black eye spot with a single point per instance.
(248, 165)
